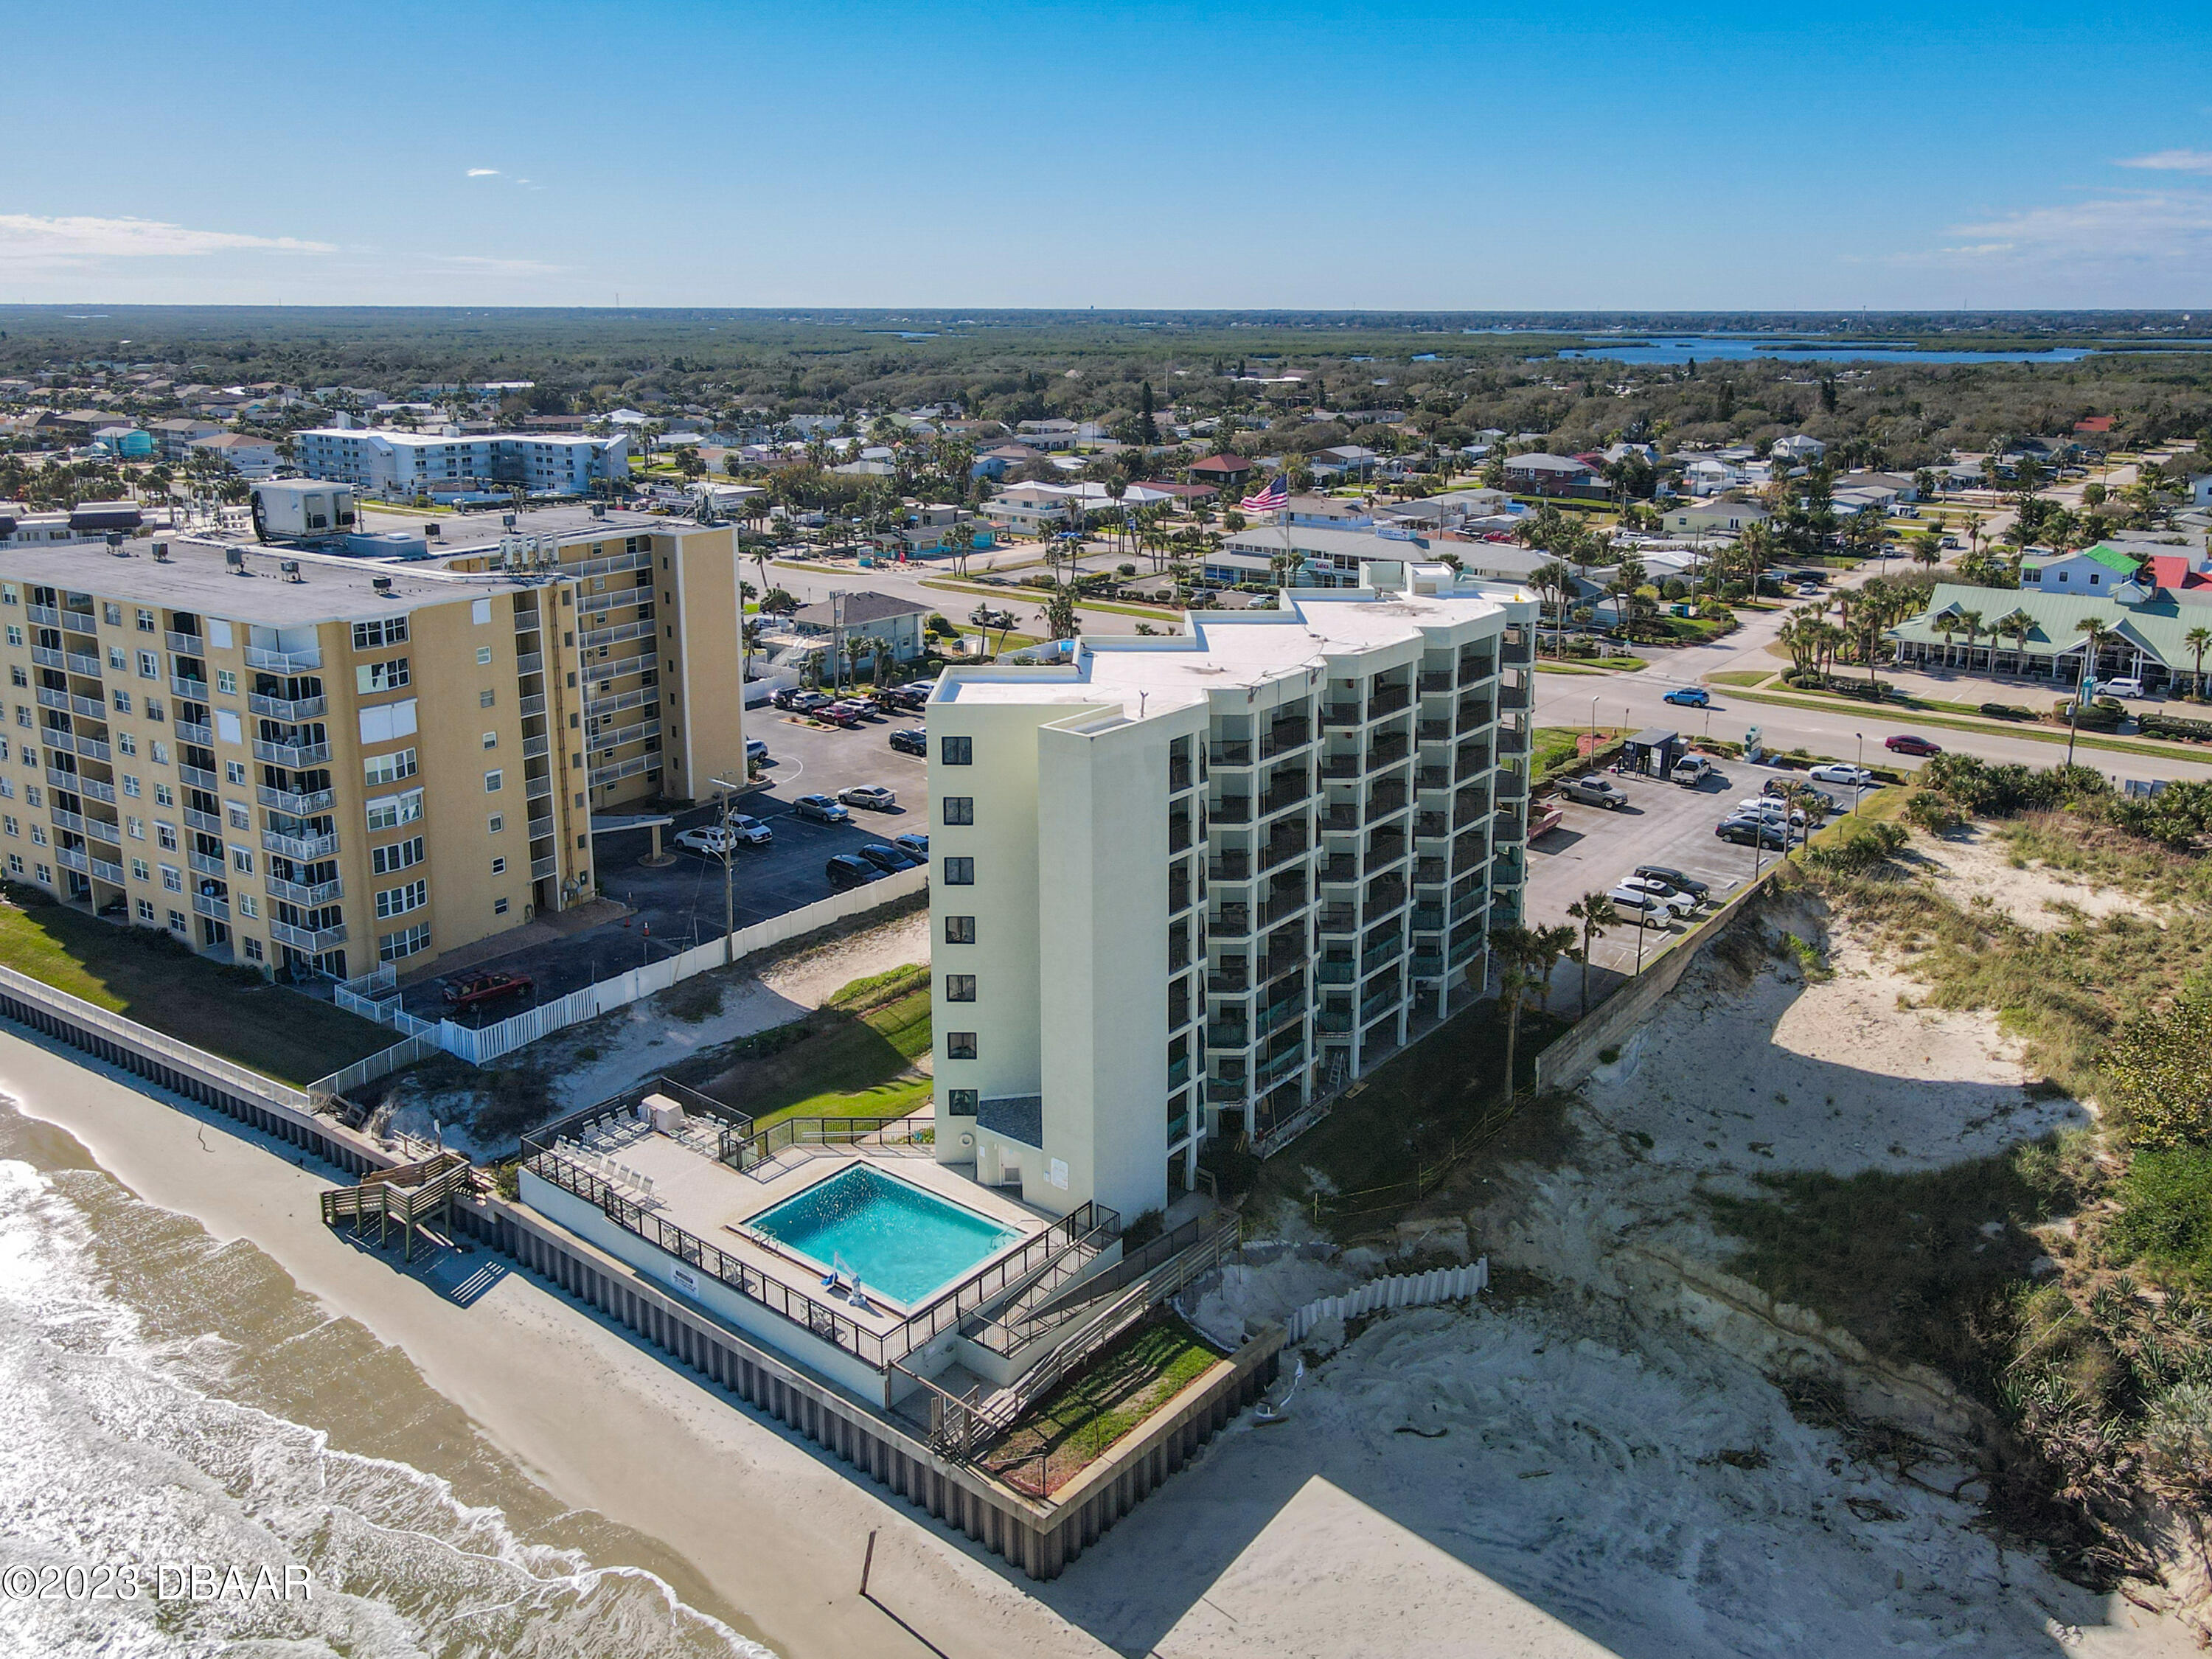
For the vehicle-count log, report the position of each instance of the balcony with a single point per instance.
(1336, 716)
(1387, 751)
(1179, 773)
(1386, 798)
(305, 848)
(90, 707)
(1512, 785)
(1282, 796)
(1178, 1071)
(541, 786)
(1434, 679)
(1282, 1066)
(283, 662)
(1431, 826)
(605, 775)
(1231, 754)
(592, 638)
(1276, 1015)
(1381, 1003)
(1229, 982)
(1382, 904)
(534, 747)
(188, 645)
(1333, 1022)
(1381, 956)
(1339, 919)
(1432, 777)
(541, 868)
(1336, 971)
(206, 821)
(1339, 767)
(1340, 816)
(542, 827)
(206, 864)
(1285, 905)
(1433, 731)
(1227, 1036)
(1232, 809)
(1340, 867)
(208, 905)
(530, 662)
(1178, 894)
(1283, 736)
(1388, 700)
(526, 621)
(321, 893)
(534, 705)
(1428, 918)
(291, 711)
(1464, 949)
(195, 732)
(1511, 696)
(108, 872)
(1227, 1092)
(1428, 966)
(1474, 712)
(1232, 865)
(1473, 668)
(79, 622)
(300, 938)
(184, 686)
(288, 800)
(71, 858)
(1282, 851)
(1385, 846)
(291, 754)
(101, 830)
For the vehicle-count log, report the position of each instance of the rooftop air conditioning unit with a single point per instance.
(160, 552)
(381, 584)
(291, 568)
(235, 558)
(506, 521)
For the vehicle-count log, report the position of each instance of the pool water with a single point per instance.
(898, 1240)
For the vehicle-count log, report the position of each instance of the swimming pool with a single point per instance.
(898, 1240)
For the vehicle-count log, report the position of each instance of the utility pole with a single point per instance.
(722, 791)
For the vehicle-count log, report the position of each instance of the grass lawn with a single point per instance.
(2047, 734)
(1590, 665)
(1438, 1097)
(1078, 1421)
(855, 1059)
(127, 970)
(1741, 677)
(1555, 744)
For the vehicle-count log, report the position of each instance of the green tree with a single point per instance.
(2156, 1075)
(1060, 620)
(1594, 913)
(2197, 639)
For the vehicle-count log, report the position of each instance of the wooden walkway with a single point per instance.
(409, 1193)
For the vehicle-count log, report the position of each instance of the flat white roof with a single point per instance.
(1230, 650)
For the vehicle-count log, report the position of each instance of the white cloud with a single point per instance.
(2171, 161)
(2108, 244)
(27, 239)
(483, 173)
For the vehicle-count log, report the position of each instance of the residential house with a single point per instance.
(858, 622)
(174, 437)
(1799, 450)
(1326, 512)
(2101, 572)
(1716, 516)
(1548, 475)
(1224, 472)
(242, 453)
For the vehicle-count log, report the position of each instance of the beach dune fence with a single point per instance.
(1400, 1291)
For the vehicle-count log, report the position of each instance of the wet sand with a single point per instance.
(774, 1528)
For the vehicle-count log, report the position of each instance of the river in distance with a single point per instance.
(171, 1400)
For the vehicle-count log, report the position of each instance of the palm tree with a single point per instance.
(1514, 947)
(2018, 623)
(1557, 579)
(2095, 636)
(1970, 624)
(1948, 625)
(2197, 639)
(1596, 913)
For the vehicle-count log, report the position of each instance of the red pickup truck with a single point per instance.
(1544, 815)
(474, 990)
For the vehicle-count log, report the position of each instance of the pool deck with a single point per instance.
(694, 1190)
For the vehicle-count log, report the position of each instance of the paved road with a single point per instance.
(808, 583)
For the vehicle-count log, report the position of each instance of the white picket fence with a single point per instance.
(481, 1044)
(1402, 1290)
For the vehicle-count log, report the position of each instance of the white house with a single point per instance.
(1799, 448)
(2101, 572)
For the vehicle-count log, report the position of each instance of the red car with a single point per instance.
(1905, 743)
(474, 990)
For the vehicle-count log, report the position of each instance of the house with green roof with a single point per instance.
(2003, 630)
(2103, 572)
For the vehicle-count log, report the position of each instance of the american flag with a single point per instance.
(1270, 500)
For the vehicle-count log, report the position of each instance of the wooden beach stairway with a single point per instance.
(409, 1193)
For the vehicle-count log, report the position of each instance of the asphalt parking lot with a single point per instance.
(682, 904)
(1594, 847)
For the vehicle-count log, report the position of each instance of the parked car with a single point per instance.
(2127, 688)
(983, 616)
(1632, 902)
(1803, 795)
(872, 796)
(1682, 903)
(914, 846)
(1595, 792)
(1852, 777)
(1806, 591)
(756, 748)
(911, 740)
(821, 810)
(888, 859)
(805, 703)
(1675, 879)
(1905, 743)
(1689, 696)
(749, 831)
(491, 985)
(1692, 770)
(846, 871)
(710, 839)
(1747, 832)
(789, 696)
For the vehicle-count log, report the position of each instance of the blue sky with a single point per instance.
(1378, 156)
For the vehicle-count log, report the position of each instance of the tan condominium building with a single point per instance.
(317, 763)
(1192, 886)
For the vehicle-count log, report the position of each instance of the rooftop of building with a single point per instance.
(461, 532)
(198, 576)
(1233, 649)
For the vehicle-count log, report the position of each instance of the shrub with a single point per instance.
(1865, 850)
(2165, 1213)
(2007, 711)
(1931, 812)
(1125, 570)
(2156, 1076)
(2167, 725)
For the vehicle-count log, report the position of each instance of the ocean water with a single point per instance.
(168, 1400)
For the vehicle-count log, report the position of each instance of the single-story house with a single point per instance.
(1715, 517)
(244, 453)
(1326, 512)
(2149, 638)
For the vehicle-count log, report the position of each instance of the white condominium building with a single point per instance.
(398, 463)
(1191, 885)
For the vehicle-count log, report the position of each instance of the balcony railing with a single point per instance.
(1340, 867)
(530, 662)
(1511, 696)
(189, 645)
(292, 801)
(71, 858)
(90, 707)
(1338, 715)
(307, 848)
(534, 704)
(1232, 865)
(541, 786)
(101, 830)
(1227, 1036)
(108, 872)
(1339, 919)
(290, 710)
(283, 662)
(208, 905)
(1232, 809)
(301, 938)
(1340, 971)
(1389, 699)
(1428, 918)
(1282, 1066)
(592, 638)
(195, 732)
(291, 754)
(207, 822)
(1283, 736)
(206, 864)
(1433, 731)
(1231, 754)
(615, 773)
(540, 868)
(184, 686)
(1434, 679)
(320, 893)
(1387, 751)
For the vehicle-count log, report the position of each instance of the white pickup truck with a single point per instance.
(1692, 770)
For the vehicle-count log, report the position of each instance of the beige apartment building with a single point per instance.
(301, 760)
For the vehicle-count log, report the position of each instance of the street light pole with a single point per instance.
(722, 789)
(1858, 774)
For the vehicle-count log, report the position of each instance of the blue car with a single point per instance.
(1690, 696)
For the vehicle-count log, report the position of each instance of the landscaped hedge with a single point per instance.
(2008, 711)
(2167, 725)
(2099, 714)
